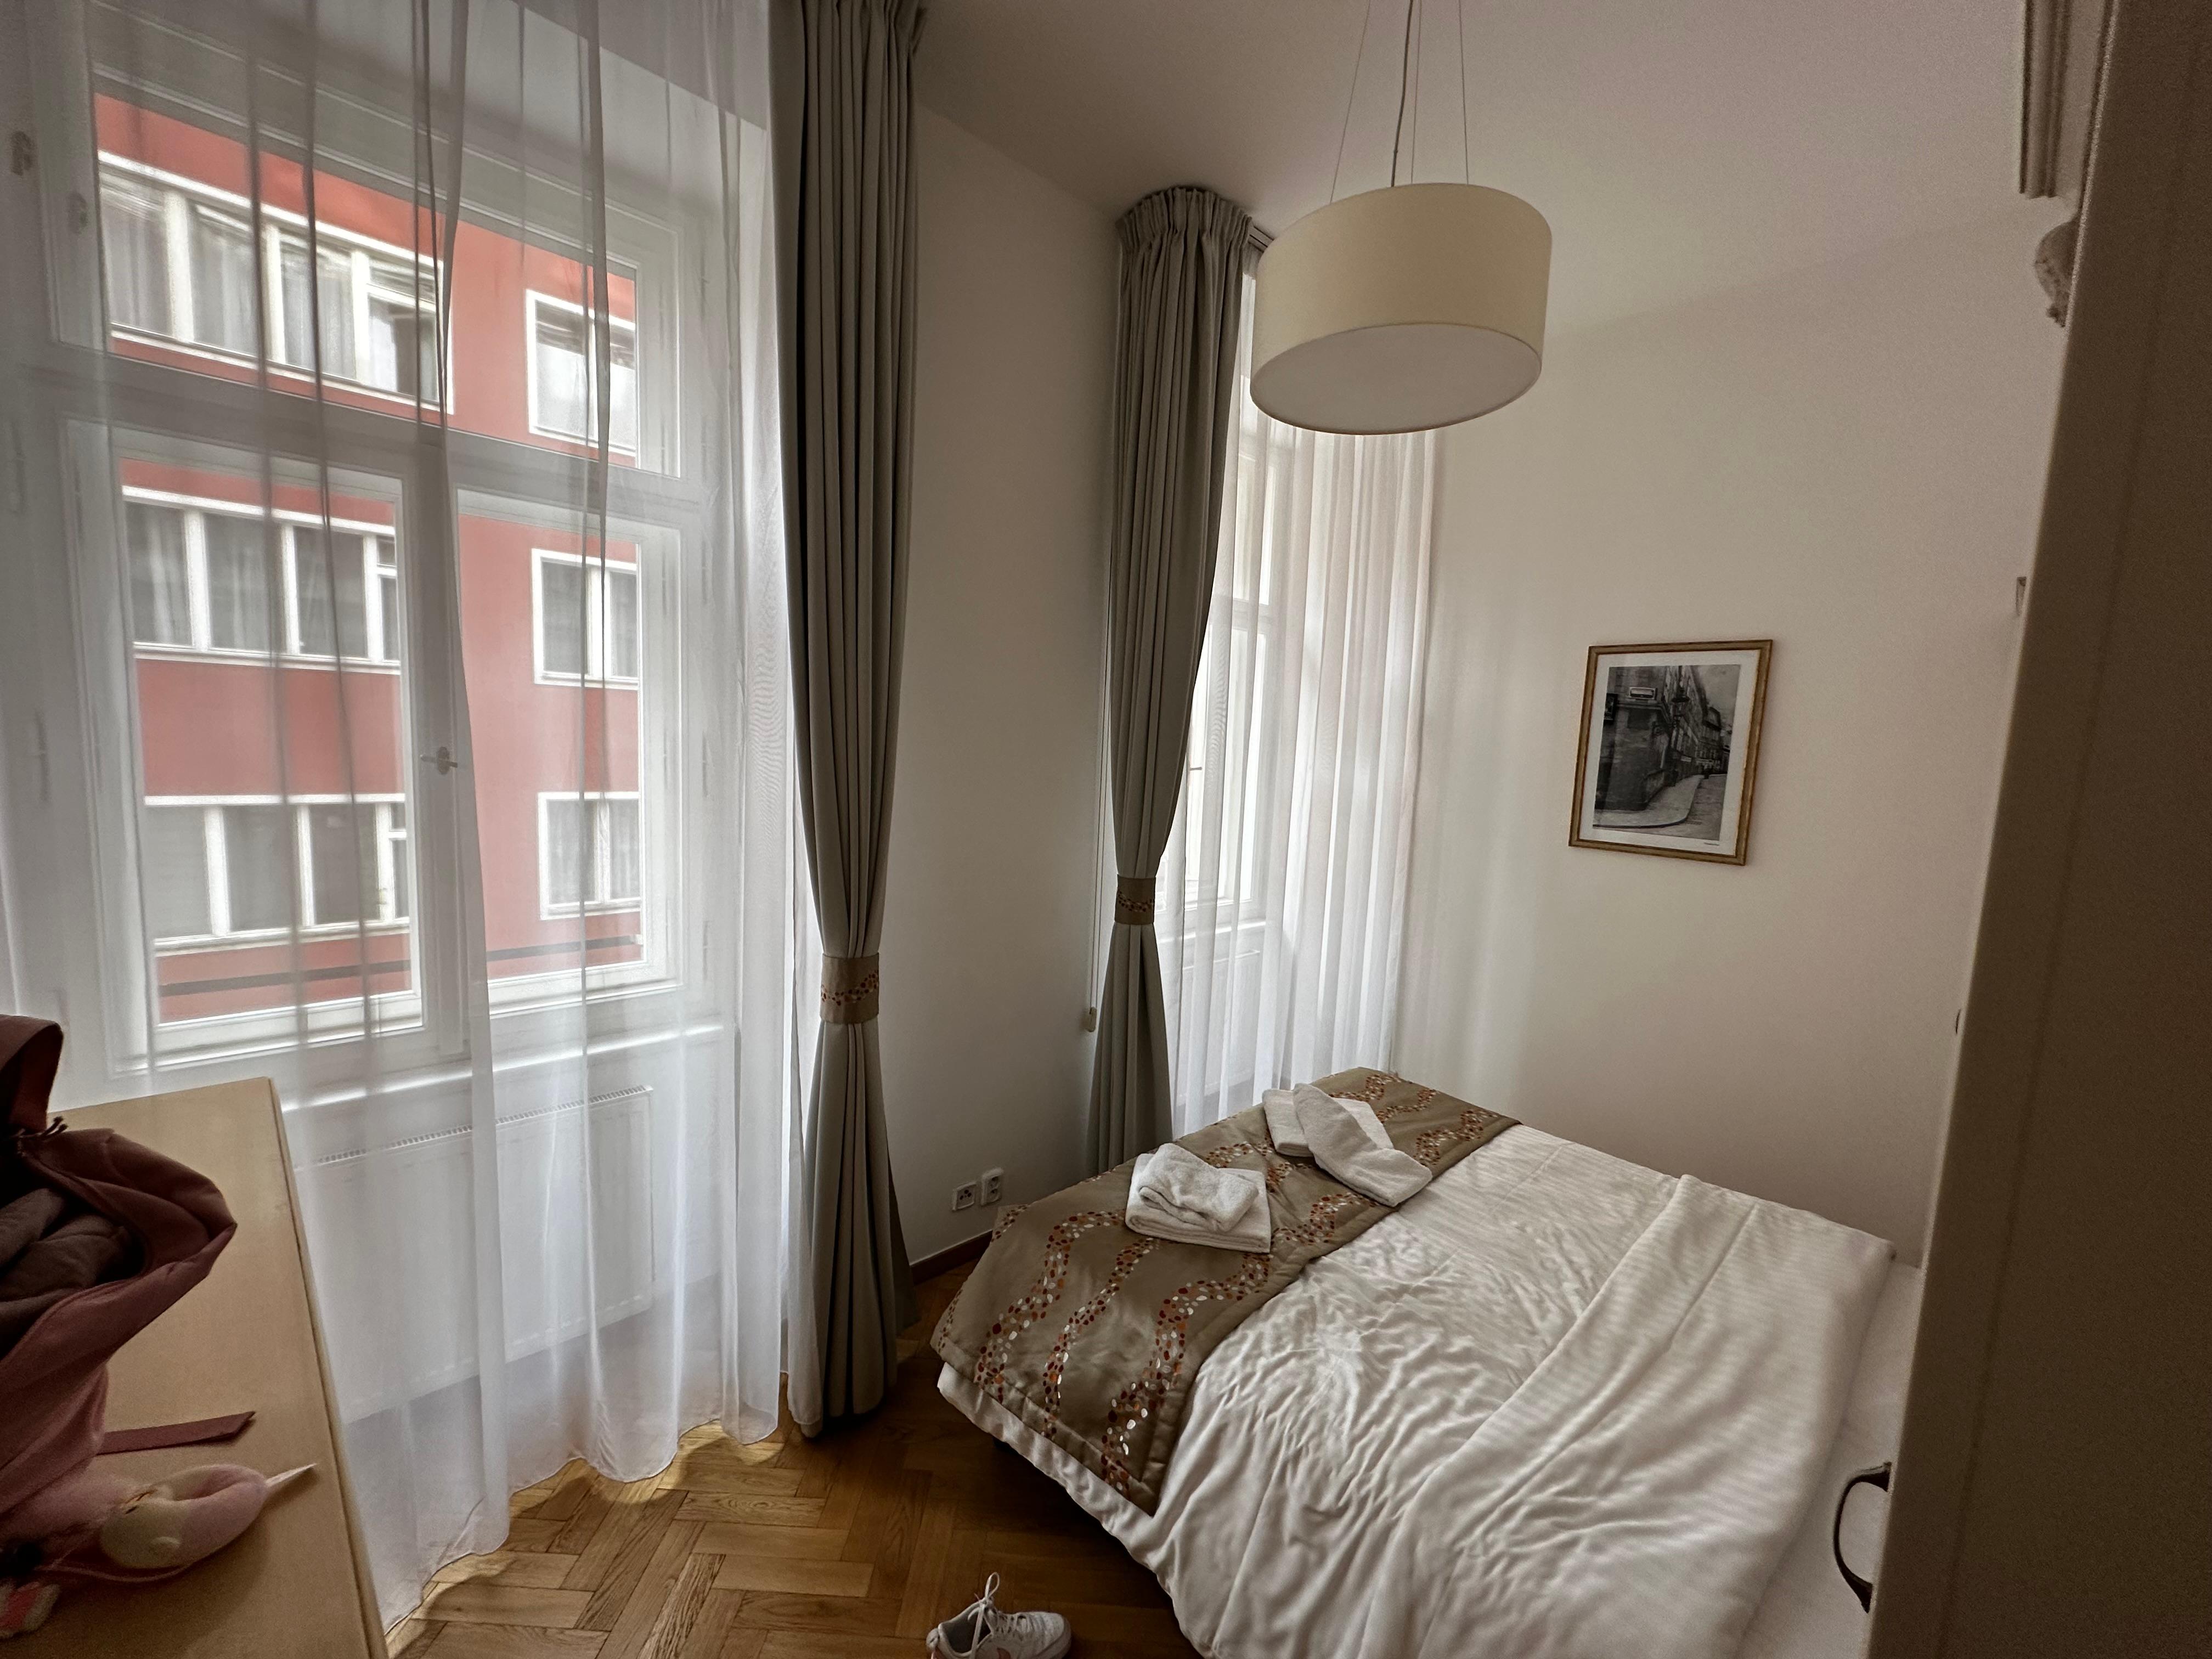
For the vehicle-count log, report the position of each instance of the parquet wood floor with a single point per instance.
(850, 1546)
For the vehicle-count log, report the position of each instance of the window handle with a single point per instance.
(443, 760)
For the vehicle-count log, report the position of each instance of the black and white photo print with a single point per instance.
(1669, 748)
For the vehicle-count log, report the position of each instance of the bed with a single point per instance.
(1556, 1404)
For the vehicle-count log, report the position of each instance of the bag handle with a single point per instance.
(30, 1055)
(1862, 1588)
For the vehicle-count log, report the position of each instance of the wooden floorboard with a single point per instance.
(849, 1546)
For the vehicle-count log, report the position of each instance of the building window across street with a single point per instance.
(182, 266)
(589, 853)
(564, 374)
(216, 869)
(587, 617)
(200, 581)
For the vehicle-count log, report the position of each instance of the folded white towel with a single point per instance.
(1253, 1230)
(1282, 1110)
(1341, 1146)
(1177, 1183)
(1281, 1106)
(1363, 1115)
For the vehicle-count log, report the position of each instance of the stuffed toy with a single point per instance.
(107, 1525)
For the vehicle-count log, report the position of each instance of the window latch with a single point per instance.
(443, 760)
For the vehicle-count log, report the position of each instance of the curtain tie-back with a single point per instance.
(850, 986)
(1134, 904)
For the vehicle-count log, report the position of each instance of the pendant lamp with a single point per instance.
(1401, 309)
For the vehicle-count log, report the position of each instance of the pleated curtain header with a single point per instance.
(1178, 214)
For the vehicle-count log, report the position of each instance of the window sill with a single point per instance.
(583, 442)
(228, 657)
(196, 944)
(283, 377)
(605, 682)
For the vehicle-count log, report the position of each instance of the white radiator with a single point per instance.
(392, 1241)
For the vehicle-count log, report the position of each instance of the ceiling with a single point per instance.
(1677, 149)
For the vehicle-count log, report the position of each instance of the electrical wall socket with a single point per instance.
(994, 1185)
(963, 1198)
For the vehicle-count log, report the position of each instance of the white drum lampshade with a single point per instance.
(1402, 309)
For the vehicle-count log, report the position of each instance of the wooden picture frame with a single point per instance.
(1668, 751)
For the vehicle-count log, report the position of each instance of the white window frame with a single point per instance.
(278, 225)
(533, 301)
(660, 562)
(77, 52)
(221, 936)
(374, 571)
(550, 909)
(1254, 623)
(597, 574)
(383, 654)
(96, 453)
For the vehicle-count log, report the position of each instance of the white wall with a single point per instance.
(1848, 461)
(987, 930)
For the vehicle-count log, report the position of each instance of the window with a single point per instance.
(161, 576)
(174, 855)
(227, 547)
(219, 246)
(200, 581)
(1231, 704)
(302, 290)
(218, 870)
(376, 325)
(589, 853)
(580, 656)
(182, 266)
(1290, 839)
(344, 592)
(564, 369)
(260, 891)
(587, 617)
(353, 864)
(237, 553)
(133, 227)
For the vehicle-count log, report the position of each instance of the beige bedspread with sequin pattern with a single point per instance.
(1092, 1334)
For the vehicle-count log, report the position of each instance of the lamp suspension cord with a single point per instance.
(1420, 41)
(1405, 65)
(1351, 94)
(1466, 169)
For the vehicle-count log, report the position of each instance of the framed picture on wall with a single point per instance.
(1669, 748)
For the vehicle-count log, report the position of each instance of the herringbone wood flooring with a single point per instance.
(850, 1546)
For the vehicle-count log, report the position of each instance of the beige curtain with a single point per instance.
(844, 112)
(1182, 290)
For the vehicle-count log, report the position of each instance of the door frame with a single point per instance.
(2053, 1489)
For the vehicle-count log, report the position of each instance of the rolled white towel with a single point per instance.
(1253, 1231)
(1281, 1106)
(1178, 1184)
(1341, 1146)
(1282, 1109)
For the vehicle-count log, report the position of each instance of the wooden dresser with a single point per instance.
(246, 1339)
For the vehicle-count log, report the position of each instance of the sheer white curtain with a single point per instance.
(397, 690)
(1290, 845)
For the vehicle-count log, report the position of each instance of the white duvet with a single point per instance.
(1559, 1406)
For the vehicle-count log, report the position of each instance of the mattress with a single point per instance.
(1493, 1375)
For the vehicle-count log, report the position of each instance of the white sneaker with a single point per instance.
(986, 1631)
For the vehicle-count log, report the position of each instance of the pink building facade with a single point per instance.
(267, 608)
